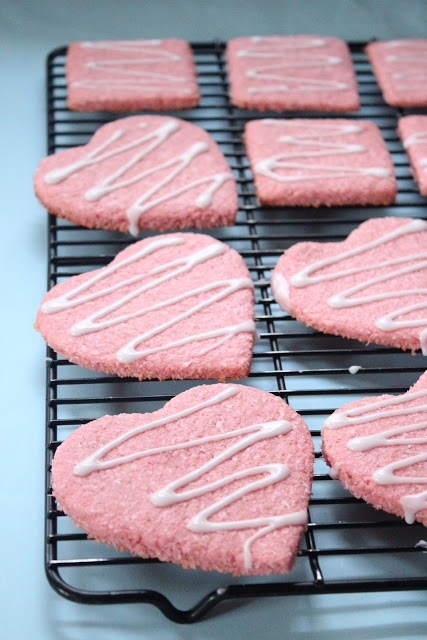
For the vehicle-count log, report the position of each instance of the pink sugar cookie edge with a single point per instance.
(407, 125)
(283, 289)
(208, 559)
(221, 212)
(273, 193)
(385, 497)
(78, 100)
(392, 96)
(231, 360)
(278, 102)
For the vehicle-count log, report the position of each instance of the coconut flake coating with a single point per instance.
(140, 172)
(319, 162)
(385, 259)
(413, 134)
(356, 469)
(115, 504)
(114, 293)
(400, 67)
(292, 72)
(126, 75)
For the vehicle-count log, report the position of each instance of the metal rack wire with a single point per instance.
(348, 546)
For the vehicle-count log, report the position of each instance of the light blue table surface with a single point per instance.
(30, 609)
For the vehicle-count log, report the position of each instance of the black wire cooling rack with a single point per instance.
(348, 546)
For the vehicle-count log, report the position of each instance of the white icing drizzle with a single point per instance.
(297, 43)
(275, 48)
(355, 368)
(342, 299)
(422, 544)
(168, 495)
(383, 409)
(317, 136)
(145, 53)
(148, 143)
(122, 45)
(420, 137)
(415, 55)
(333, 472)
(280, 290)
(165, 272)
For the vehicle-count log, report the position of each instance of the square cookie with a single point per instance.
(400, 67)
(377, 448)
(413, 133)
(126, 75)
(292, 72)
(317, 162)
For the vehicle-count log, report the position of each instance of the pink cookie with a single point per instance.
(125, 75)
(292, 72)
(371, 286)
(172, 306)
(217, 479)
(141, 172)
(319, 162)
(377, 448)
(413, 133)
(401, 70)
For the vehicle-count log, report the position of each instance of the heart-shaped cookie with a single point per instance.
(172, 306)
(371, 287)
(217, 479)
(377, 448)
(141, 172)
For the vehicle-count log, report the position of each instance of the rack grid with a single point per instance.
(348, 546)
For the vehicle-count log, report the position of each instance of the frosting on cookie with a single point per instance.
(389, 437)
(289, 54)
(398, 266)
(144, 145)
(121, 74)
(168, 495)
(105, 316)
(318, 138)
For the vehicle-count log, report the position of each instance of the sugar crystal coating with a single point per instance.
(126, 75)
(371, 286)
(177, 485)
(315, 162)
(292, 72)
(172, 306)
(413, 134)
(377, 448)
(140, 172)
(401, 70)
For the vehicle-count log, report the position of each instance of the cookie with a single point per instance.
(371, 286)
(314, 162)
(126, 75)
(413, 134)
(377, 448)
(400, 67)
(172, 306)
(141, 172)
(292, 72)
(217, 479)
